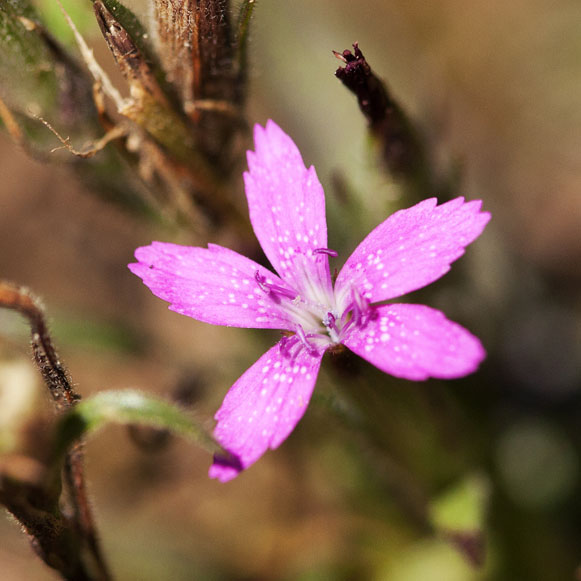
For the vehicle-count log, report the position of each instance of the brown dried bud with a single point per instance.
(401, 149)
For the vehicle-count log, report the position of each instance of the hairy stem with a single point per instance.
(61, 541)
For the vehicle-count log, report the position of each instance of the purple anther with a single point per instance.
(303, 338)
(274, 289)
(261, 281)
(326, 251)
(286, 344)
(330, 322)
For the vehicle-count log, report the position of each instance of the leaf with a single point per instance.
(463, 506)
(242, 34)
(52, 17)
(40, 79)
(129, 407)
(460, 514)
(28, 81)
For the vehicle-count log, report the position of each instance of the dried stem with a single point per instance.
(20, 300)
(402, 150)
(117, 132)
(57, 538)
(10, 123)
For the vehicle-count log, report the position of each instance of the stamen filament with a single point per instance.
(359, 308)
(303, 339)
(275, 289)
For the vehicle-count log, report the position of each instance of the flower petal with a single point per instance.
(263, 407)
(416, 342)
(411, 249)
(214, 285)
(287, 210)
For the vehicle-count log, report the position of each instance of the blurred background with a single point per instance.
(495, 89)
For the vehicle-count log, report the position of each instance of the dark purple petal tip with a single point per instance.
(228, 460)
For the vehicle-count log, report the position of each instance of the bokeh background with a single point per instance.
(496, 89)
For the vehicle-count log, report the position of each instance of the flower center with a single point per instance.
(316, 326)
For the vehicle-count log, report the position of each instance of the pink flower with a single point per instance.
(409, 250)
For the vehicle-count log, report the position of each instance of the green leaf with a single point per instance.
(459, 515)
(52, 16)
(38, 78)
(129, 407)
(27, 72)
(462, 506)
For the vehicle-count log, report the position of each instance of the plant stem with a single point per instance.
(59, 540)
